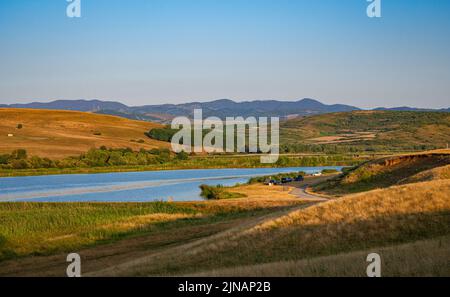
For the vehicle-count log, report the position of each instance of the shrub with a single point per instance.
(211, 192)
(162, 134)
(4, 159)
(19, 164)
(182, 156)
(218, 192)
(261, 179)
(47, 163)
(282, 161)
(154, 151)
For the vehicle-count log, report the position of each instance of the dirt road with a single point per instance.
(300, 188)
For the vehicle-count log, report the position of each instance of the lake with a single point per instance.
(178, 185)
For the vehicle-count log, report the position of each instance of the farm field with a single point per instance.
(57, 134)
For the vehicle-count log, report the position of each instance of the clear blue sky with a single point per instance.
(159, 51)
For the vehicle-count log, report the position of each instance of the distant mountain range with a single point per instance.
(406, 108)
(219, 108)
(76, 105)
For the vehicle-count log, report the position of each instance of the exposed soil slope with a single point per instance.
(389, 171)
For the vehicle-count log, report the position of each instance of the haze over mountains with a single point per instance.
(219, 108)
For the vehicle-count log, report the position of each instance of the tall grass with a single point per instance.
(47, 228)
(42, 227)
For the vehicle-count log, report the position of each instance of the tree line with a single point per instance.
(100, 157)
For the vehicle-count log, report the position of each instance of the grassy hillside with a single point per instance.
(389, 171)
(58, 134)
(373, 221)
(368, 130)
(428, 175)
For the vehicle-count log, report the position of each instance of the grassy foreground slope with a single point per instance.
(409, 226)
(374, 130)
(47, 228)
(420, 258)
(58, 134)
(372, 221)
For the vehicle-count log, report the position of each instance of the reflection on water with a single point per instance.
(179, 185)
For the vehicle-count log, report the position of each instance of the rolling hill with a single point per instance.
(58, 134)
(390, 171)
(408, 225)
(369, 130)
(405, 224)
(359, 131)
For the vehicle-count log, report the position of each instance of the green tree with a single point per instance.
(4, 159)
(162, 134)
(19, 154)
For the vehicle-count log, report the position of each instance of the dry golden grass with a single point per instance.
(421, 258)
(288, 192)
(438, 151)
(342, 138)
(263, 192)
(380, 218)
(58, 134)
(377, 206)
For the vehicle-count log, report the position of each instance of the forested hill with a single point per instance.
(367, 131)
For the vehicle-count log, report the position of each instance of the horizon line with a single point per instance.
(46, 101)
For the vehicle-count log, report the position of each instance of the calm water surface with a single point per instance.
(179, 185)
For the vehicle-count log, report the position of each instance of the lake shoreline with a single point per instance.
(102, 170)
(170, 185)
